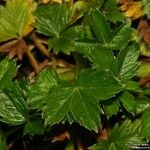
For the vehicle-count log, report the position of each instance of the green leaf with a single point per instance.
(147, 91)
(145, 49)
(3, 144)
(99, 26)
(15, 19)
(145, 124)
(111, 108)
(146, 9)
(142, 104)
(144, 70)
(101, 57)
(104, 59)
(41, 87)
(121, 36)
(34, 126)
(13, 108)
(7, 71)
(80, 98)
(92, 4)
(86, 47)
(120, 137)
(67, 98)
(128, 102)
(52, 19)
(127, 62)
(66, 40)
(69, 146)
(133, 86)
(112, 12)
(102, 85)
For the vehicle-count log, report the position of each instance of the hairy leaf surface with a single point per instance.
(80, 98)
(127, 62)
(121, 36)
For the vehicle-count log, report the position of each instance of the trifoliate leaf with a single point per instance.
(99, 26)
(16, 19)
(128, 102)
(127, 62)
(120, 37)
(13, 109)
(65, 98)
(121, 137)
(8, 69)
(80, 98)
(41, 87)
(54, 21)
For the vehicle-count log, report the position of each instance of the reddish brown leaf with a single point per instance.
(103, 134)
(124, 1)
(61, 137)
(145, 82)
(18, 49)
(144, 30)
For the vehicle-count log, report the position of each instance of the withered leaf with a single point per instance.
(14, 48)
(131, 9)
(54, 1)
(144, 30)
(61, 137)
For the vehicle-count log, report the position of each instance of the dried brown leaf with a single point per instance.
(144, 30)
(17, 50)
(132, 10)
(103, 134)
(61, 137)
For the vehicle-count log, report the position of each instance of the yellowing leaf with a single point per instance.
(16, 19)
(132, 9)
(55, 1)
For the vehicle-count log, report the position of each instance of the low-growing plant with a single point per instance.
(73, 75)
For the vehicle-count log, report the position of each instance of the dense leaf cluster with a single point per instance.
(105, 87)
